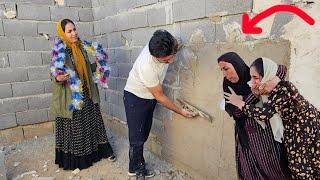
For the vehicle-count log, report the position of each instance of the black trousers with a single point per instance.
(139, 113)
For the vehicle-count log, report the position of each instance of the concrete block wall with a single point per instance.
(25, 88)
(207, 28)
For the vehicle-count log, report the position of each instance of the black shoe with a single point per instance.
(140, 177)
(147, 174)
(112, 158)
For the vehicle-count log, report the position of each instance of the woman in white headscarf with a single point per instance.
(301, 119)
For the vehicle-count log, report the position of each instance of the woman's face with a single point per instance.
(229, 72)
(71, 33)
(255, 77)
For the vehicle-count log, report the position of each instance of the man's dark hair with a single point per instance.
(64, 22)
(258, 64)
(162, 44)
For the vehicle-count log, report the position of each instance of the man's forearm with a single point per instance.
(166, 102)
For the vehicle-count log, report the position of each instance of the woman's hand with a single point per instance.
(234, 99)
(255, 90)
(267, 87)
(63, 77)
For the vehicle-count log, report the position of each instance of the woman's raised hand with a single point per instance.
(233, 98)
(267, 87)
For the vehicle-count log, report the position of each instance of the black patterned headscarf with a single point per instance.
(240, 88)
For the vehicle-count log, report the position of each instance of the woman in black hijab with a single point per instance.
(258, 155)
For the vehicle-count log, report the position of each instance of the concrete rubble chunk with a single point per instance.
(44, 178)
(76, 171)
(16, 164)
(25, 174)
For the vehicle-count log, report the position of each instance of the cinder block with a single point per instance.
(20, 28)
(37, 44)
(115, 40)
(124, 69)
(138, 19)
(104, 107)
(39, 73)
(187, 10)
(23, 59)
(108, 95)
(123, 22)
(39, 2)
(8, 75)
(46, 58)
(135, 52)
(99, 13)
(11, 43)
(58, 13)
(159, 16)
(97, 27)
(7, 121)
(34, 12)
(79, 3)
(4, 60)
(220, 32)
(124, 5)
(118, 112)
(206, 26)
(122, 55)
(114, 97)
(85, 29)
(110, 7)
(126, 37)
(114, 70)
(5, 90)
(27, 88)
(112, 83)
(226, 7)
(11, 105)
(121, 83)
(86, 15)
(102, 93)
(141, 36)
(102, 40)
(106, 10)
(47, 86)
(40, 101)
(111, 56)
(32, 116)
(47, 28)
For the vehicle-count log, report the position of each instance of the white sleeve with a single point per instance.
(148, 76)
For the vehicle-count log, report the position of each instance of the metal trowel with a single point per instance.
(196, 111)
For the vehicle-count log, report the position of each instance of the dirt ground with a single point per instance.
(34, 159)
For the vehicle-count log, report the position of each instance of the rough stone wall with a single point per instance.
(25, 88)
(207, 28)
